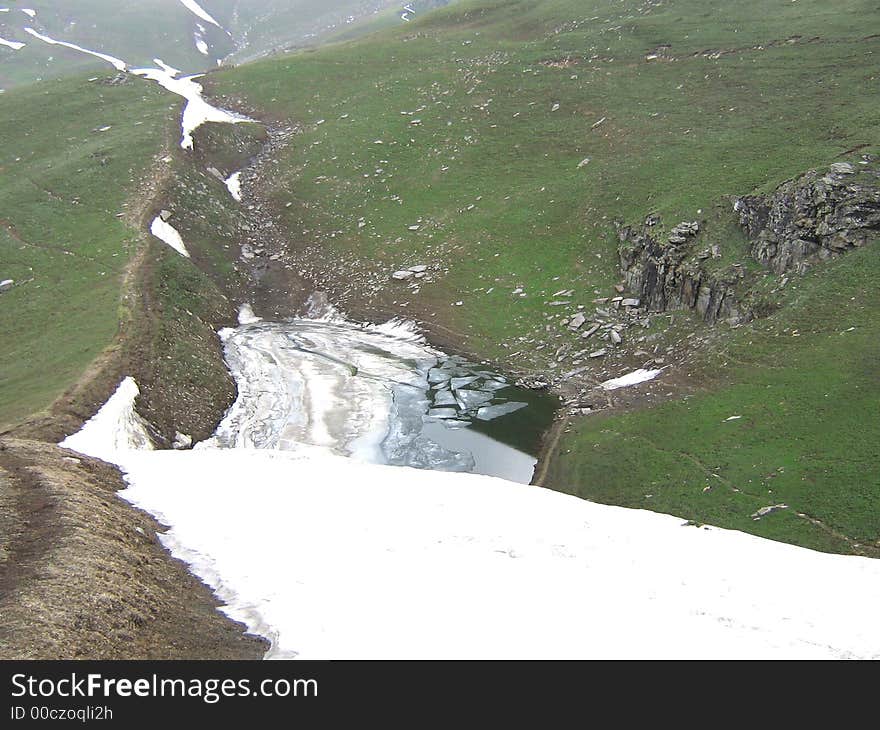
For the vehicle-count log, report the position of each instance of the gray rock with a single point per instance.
(599, 353)
(576, 322)
(630, 303)
(615, 337)
(764, 511)
(402, 275)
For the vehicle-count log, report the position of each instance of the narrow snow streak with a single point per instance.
(196, 9)
(118, 64)
(14, 45)
(168, 234)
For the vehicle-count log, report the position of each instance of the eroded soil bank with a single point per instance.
(84, 576)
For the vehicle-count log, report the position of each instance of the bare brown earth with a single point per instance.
(84, 576)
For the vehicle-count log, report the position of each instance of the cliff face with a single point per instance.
(667, 273)
(815, 217)
(812, 218)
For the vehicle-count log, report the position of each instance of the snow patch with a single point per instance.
(233, 184)
(167, 233)
(115, 429)
(332, 559)
(197, 110)
(633, 378)
(14, 45)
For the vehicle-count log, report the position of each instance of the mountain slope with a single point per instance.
(501, 142)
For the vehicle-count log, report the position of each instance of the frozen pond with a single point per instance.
(377, 394)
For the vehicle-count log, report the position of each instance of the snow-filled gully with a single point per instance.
(330, 514)
(293, 516)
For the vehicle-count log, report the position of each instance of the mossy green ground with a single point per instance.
(482, 80)
(805, 386)
(746, 95)
(63, 185)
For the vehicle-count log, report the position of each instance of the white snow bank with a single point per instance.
(167, 233)
(114, 429)
(196, 9)
(245, 316)
(333, 558)
(633, 378)
(14, 45)
(197, 110)
(201, 46)
(233, 184)
(117, 63)
(330, 558)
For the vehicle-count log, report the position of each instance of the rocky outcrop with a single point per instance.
(667, 272)
(813, 218)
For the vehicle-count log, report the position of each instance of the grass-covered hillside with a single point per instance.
(92, 296)
(78, 151)
(499, 141)
(474, 124)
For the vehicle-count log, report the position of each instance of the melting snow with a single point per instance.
(201, 46)
(114, 429)
(233, 184)
(633, 378)
(14, 45)
(329, 557)
(167, 233)
(197, 110)
(119, 65)
(195, 8)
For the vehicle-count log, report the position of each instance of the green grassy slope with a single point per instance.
(805, 384)
(62, 186)
(667, 136)
(743, 95)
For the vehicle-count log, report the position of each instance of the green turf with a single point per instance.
(806, 385)
(747, 94)
(677, 135)
(62, 185)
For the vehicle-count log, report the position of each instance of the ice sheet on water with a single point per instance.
(487, 413)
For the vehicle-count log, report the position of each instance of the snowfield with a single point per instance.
(329, 557)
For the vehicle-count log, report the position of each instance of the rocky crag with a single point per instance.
(815, 217)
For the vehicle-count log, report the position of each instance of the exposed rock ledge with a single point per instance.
(811, 218)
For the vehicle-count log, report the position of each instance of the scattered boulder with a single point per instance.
(764, 511)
